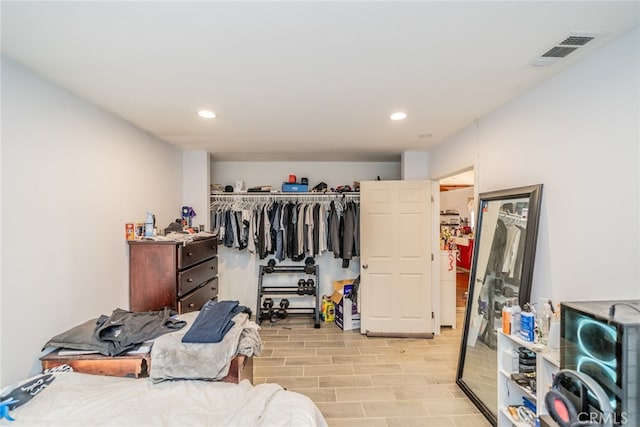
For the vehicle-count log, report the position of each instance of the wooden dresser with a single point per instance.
(171, 274)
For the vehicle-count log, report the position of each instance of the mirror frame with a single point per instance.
(534, 194)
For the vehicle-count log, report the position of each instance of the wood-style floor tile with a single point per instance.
(360, 381)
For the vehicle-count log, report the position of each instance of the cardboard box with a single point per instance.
(346, 312)
(340, 289)
(345, 318)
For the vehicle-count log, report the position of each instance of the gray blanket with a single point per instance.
(173, 359)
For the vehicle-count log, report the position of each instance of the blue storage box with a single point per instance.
(294, 188)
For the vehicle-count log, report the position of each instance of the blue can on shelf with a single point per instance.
(527, 325)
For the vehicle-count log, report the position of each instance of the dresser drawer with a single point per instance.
(199, 297)
(193, 277)
(196, 252)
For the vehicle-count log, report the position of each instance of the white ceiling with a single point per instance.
(302, 80)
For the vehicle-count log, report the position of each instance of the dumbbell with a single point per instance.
(309, 265)
(282, 311)
(301, 287)
(267, 311)
(274, 317)
(311, 287)
(270, 264)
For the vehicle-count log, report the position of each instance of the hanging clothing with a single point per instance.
(290, 230)
(334, 241)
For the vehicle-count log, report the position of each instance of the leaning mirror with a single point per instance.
(501, 268)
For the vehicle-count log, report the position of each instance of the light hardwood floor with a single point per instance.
(361, 381)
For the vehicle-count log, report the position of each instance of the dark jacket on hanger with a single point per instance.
(334, 240)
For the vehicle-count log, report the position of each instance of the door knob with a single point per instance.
(365, 266)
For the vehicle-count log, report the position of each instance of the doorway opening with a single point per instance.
(457, 227)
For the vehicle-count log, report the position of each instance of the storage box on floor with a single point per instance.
(347, 316)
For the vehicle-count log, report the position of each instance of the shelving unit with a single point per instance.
(448, 219)
(284, 290)
(511, 393)
(547, 367)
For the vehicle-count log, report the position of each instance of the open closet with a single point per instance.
(290, 226)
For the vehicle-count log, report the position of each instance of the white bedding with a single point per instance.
(75, 399)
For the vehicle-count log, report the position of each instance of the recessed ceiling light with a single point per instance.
(398, 116)
(206, 114)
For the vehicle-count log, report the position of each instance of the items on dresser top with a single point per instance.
(172, 273)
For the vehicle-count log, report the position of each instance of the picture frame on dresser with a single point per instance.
(502, 267)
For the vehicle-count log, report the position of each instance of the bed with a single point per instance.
(76, 399)
(189, 384)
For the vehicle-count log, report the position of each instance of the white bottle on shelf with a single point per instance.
(544, 319)
(148, 225)
(515, 316)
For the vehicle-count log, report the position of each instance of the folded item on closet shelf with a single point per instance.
(260, 189)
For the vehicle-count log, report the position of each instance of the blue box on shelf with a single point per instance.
(294, 188)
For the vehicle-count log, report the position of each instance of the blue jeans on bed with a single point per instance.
(213, 322)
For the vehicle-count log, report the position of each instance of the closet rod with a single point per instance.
(289, 196)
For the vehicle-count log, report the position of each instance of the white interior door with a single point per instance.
(395, 252)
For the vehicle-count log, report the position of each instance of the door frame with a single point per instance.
(435, 254)
(436, 236)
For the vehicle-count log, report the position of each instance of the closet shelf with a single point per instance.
(283, 195)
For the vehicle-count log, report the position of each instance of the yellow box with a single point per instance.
(328, 310)
(130, 231)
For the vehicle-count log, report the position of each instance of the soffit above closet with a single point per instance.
(303, 80)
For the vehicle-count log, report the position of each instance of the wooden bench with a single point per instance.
(134, 365)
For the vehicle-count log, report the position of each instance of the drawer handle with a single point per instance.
(212, 267)
(190, 254)
(192, 305)
(189, 280)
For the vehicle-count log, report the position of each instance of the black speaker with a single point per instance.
(576, 399)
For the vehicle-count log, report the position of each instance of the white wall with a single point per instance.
(457, 200)
(414, 165)
(578, 135)
(238, 275)
(275, 173)
(238, 270)
(72, 176)
(196, 166)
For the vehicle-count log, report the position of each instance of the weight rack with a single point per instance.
(290, 290)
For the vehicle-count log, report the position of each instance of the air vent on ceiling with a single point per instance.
(560, 50)
(576, 40)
